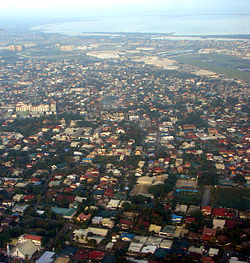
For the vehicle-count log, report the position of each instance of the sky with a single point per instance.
(179, 16)
(70, 8)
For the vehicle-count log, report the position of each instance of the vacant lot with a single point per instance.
(228, 65)
(238, 198)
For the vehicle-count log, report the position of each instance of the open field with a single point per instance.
(224, 64)
(158, 62)
(237, 198)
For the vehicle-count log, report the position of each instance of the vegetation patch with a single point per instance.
(228, 65)
(237, 198)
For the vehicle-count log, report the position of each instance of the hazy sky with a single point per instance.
(71, 8)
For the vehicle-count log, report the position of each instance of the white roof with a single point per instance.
(213, 251)
(135, 247)
(140, 239)
(110, 245)
(149, 249)
(153, 241)
(113, 202)
(97, 218)
(27, 248)
(166, 243)
(194, 249)
(94, 230)
(47, 257)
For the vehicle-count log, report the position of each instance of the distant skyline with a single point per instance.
(16, 9)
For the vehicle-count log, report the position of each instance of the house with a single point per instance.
(127, 236)
(219, 212)
(154, 228)
(47, 257)
(145, 180)
(196, 250)
(166, 243)
(67, 213)
(190, 219)
(137, 244)
(156, 241)
(113, 204)
(207, 260)
(184, 185)
(218, 223)
(213, 251)
(176, 219)
(17, 197)
(62, 260)
(125, 224)
(148, 249)
(192, 210)
(135, 247)
(206, 210)
(81, 255)
(97, 220)
(24, 250)
(180, 232)
(37, 240)
(181, 208)
(96, 255)
(82, 217)
(109, 246)
(167, 231)
(107, 222)
(98, 194)
(208, 233)
(192, 236)
(93, 230)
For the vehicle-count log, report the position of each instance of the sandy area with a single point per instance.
(159, 62)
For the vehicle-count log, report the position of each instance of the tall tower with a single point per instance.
(53, 107)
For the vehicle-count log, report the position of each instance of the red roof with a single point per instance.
(81, 254)
(209, 231)
(28, 197)
(207, 260)
(205, 237)
(220, 212)
(82, 216)
(109, 192)
(193, 235)
(190, 219)
(34, 179)
(33, 237)
(206, 208)
(231, 223)
(96, 254)
(125, 222)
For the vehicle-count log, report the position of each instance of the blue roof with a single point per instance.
(127, 235)
(108, 259)
(68, 251)
(98, 192)
(176, 217)
(161, 253)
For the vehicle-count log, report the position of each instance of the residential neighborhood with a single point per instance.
(114, 159)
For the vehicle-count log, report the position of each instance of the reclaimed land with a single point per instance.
(224, 64)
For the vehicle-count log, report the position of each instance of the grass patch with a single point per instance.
(188, 198)
(224, 64)
(237, 198)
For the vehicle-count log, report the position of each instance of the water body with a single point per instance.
(179, 24)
